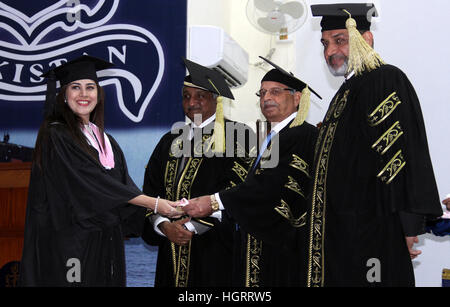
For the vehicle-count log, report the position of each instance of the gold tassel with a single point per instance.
(362, 57)
(303, 108)
(219, 127)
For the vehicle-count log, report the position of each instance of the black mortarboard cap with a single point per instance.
(207, 79)
(334, 16)
(280, 75)
(84, 67)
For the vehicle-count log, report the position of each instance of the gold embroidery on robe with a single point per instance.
(203, 148)
(331, 109)
(169, 178)
(181, 254)
(300, 164)
(317, 231)
(184, 258)
(259, 171)
(340, 106)
(240, 171)
(293, 185)
(388, 139)
(254, 250)
(392, 168)
(285, 211)
(176, 148)
(384, 109)
(322, 130)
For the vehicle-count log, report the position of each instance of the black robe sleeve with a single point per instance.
(398, 138)
(78, 187)
(154, 185)
(264, 205)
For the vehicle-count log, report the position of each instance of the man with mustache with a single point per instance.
(196, 252)
(374, 185)
(270, 207)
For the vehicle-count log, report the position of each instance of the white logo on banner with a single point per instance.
(95, 31)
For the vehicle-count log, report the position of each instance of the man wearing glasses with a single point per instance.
(270, 207)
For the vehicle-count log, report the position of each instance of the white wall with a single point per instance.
(407, 34)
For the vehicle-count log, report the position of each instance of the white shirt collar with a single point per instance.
(202, 125)
(278, 127)
(350, 75)
(205, 122)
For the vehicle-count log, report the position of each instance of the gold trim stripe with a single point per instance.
(240, 171)
(285, 211)
(384, 109)
(392, 168)
(252, 270)
(385, 142)
(300, 164)
(293, 185)
(318, 210)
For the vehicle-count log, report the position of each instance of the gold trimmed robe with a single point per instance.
(271, 209)
(373, 183)
(207, 260)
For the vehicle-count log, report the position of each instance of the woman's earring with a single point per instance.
(65, 100)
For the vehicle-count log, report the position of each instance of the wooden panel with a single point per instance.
(12, 208)
(11, 250)
(15, 175)
(14, 180)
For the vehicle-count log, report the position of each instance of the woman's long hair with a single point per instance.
(63, 114)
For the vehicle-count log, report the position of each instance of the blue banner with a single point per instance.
(144, 39)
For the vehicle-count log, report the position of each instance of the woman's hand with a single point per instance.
(168, 208)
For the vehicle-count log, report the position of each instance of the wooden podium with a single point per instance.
(14, 180)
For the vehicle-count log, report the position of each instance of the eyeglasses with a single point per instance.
(275, 91)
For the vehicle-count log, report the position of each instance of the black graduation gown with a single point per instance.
(77, 211)
(371, 165)
(207, 260)
(271, 209)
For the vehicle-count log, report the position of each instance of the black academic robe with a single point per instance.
(371, 166)
(271, 210)
(207, 260)
(77, 216)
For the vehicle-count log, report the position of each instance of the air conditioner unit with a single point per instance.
(212, 47)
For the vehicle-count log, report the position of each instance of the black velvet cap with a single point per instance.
(280, 75)
(84, 67)
(206, 79)
(334, 16)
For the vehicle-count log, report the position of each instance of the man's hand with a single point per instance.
(199, 207)
(446, 202)
(413, 253)
(176, 232)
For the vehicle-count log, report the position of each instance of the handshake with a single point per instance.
(196, 207)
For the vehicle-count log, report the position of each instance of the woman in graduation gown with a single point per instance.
(81, 200)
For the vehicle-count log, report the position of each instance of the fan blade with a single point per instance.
(270, 25)
(295, 9)
(265, 5)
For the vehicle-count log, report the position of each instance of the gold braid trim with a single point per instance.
(285, 211)
(384, 109)
(388, 139)
(299, 164)
(303, 108)
(392, 168)
(252, 270)
(219, 127)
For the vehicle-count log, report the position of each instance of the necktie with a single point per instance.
(263, 148)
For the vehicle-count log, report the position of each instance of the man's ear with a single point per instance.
(297, 97)
(368, 37)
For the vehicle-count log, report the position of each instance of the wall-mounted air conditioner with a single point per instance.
(212, 47)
